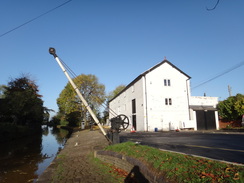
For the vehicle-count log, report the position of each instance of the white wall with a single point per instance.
(150, 93)
(201, 100)
(163, 116)
(123, 104)
(204, 101)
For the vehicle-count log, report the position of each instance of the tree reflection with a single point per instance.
(19, 159)
(45, 130)
(60, 135)
(24, 159)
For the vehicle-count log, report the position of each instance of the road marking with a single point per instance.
(206, 147)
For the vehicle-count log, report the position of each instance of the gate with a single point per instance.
(206, 120)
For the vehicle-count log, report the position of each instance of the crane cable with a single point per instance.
(72, 73)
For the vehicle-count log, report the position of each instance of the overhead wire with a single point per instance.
(209, 9)
(220, 74)
(33, 19)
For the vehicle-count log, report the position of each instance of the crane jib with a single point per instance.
(52, 51)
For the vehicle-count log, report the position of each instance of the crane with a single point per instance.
(52, 51)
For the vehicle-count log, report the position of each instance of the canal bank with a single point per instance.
(73, 163)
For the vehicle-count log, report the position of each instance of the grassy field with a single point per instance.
(182, 168)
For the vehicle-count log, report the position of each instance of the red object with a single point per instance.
(132, 130)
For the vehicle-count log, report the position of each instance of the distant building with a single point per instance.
(160, 99)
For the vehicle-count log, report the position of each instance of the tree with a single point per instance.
(55, 120)
(116, 91)
(69, 103)
(24, 103)
(232, 108)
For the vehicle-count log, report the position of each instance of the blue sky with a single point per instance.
(118, 40)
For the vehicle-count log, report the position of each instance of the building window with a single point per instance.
(133, 106)
(168, 101)
(167, 82)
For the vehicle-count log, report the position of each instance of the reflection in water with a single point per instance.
(25, 159)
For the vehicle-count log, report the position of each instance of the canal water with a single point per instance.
(23, 160)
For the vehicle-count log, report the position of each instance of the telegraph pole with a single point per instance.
(229, 90)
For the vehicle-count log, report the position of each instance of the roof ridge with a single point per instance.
(149, 70)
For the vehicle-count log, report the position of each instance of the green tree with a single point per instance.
(56, 120)
(115, 92)
(24, 103)
(69, 103)
(232, 108)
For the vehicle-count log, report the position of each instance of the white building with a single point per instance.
(160, 99)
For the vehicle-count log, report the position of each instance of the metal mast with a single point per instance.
(52, 51)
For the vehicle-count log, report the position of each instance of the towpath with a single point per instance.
(74, 163)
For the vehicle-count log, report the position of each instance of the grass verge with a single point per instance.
(181, 168)
(113, 173)
(59, 169)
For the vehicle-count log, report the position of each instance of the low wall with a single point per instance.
(225, 123)
(137, 169)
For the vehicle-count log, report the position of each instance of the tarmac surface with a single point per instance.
(217, 145)
(73, 164)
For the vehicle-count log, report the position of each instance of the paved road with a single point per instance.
(220, 146)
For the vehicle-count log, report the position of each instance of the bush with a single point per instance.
(232, 108)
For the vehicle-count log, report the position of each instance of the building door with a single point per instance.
(134, 121)
(206, 120)
(211, 124)
(134, 113)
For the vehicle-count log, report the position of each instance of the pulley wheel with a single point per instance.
(125, 121)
